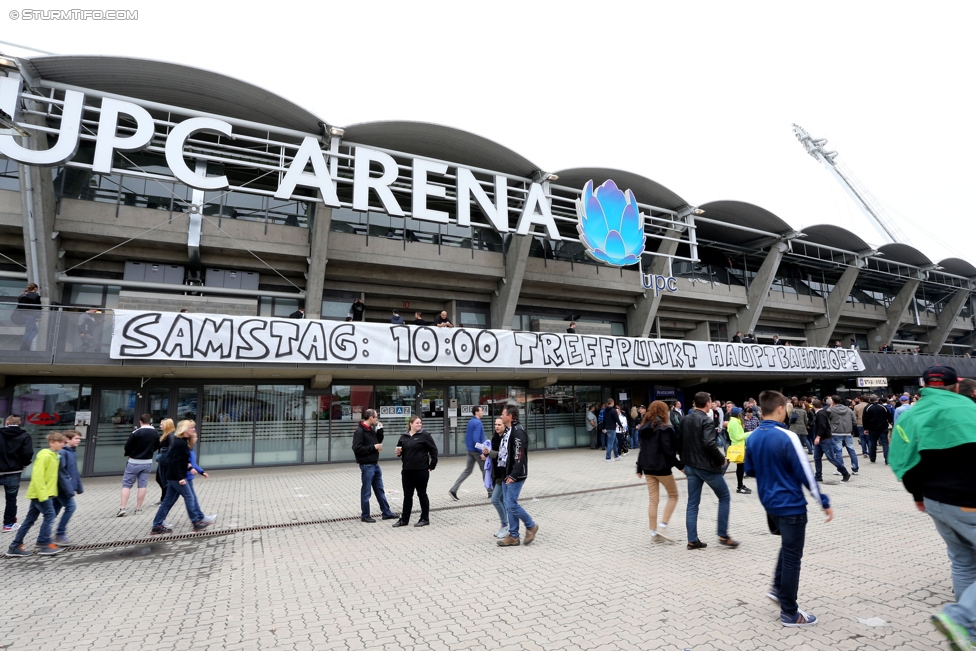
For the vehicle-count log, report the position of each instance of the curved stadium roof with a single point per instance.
(178, 85)
(904, 254)
(738, 213)
(441, 142)
(835, 237)
(645, 190)
(958, 267)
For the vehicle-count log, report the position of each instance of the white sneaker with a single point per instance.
(501, 533)
(837, 473)
(662, 525)
(120, 514)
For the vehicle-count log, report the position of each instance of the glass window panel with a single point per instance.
(116, 420)
(474, 319)
(560, 409)
(86, 295)
(347, 406)
(586, 398)
(468, 397)
(335, 310)
(433, 410)
(227, 430)
(46, 408)
(278, 426)
(388, 398)
(317, 410)
(533, 419)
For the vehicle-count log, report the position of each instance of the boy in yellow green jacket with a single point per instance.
(41, 493)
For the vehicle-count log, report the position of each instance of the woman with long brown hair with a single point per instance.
(164, 441)
(658, 455)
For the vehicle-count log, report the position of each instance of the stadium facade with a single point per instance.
(145, 189)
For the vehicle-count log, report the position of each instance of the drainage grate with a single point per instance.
(303, 523)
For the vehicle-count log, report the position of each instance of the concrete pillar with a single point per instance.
(947, 317)
(821, 330)
(318, 258)
(640, 318)
(747, 316)
(506, 296)
(702, 332)
(38, 206)
(894, 316)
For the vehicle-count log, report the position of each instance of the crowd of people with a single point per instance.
(928, 438)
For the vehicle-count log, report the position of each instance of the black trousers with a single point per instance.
(415, 480)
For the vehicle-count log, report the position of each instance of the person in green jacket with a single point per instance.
(933, 453)
(738, 436)
(43, 488)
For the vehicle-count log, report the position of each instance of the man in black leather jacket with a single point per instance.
(704, 463)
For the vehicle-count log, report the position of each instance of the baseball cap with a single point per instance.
(939, 376)
(736, 411)
(903, 399)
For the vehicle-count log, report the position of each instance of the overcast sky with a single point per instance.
(699, 97)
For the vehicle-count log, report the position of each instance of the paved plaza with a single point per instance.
(290, 566)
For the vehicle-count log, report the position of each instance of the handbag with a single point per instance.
(736, 453)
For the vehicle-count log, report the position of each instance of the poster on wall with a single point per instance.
(236, 339)
(82, 421)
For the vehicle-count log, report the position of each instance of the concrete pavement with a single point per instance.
(288, 565)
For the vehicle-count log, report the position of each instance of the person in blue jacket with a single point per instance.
(776, 459)
(474, 435)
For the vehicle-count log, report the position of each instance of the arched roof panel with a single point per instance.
(645, 190)
(737, 213)
(904, 254)
(177, 85)
(958, 267)
(441, 142)
(835, 237)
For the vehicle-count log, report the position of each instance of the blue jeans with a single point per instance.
(830, 449)
(45, 508)
(958, 530)
(634, 439)
(863, 439)
(515, 510)
(786, 580)
(847, 441)
(878, 437)
(30, 331)
(603, 440)
(612, 444)
(373, 480)
(175, 490)
(69, 506)
(498, 501)
(697, 478)
(11, 484)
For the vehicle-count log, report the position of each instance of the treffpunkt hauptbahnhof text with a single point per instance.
(197, 213)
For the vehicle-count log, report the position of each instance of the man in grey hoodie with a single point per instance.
(843, 424)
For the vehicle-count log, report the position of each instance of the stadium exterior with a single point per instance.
(148, 188)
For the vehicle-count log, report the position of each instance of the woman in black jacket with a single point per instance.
(658, 455)
(161, 449)
(418, 452)
(175, 467)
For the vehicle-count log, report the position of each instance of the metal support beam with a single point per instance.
(319, 258)
(884, 333)
(747, 316)
(640, 318)
(947, 317)
(822, 329)
(506, 296)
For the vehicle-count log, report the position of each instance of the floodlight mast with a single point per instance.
(864, 201)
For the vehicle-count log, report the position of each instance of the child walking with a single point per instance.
(69, 485)
(41, 493)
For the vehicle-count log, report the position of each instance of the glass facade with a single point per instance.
(244, 425)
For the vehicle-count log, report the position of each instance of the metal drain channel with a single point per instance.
(285, 525)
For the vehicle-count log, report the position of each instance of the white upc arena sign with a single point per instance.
(217, 338)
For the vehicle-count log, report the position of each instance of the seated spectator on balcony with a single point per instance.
(837, 344)
(396, 318)
(749, 339)
(418, 319)
(777, 341)
(737, 339)
(443, 321)
(358, 310)
(854, 345)
(572, 328)
(297, 314)
(788, 343)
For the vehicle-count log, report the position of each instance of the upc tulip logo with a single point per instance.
(610, 225)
